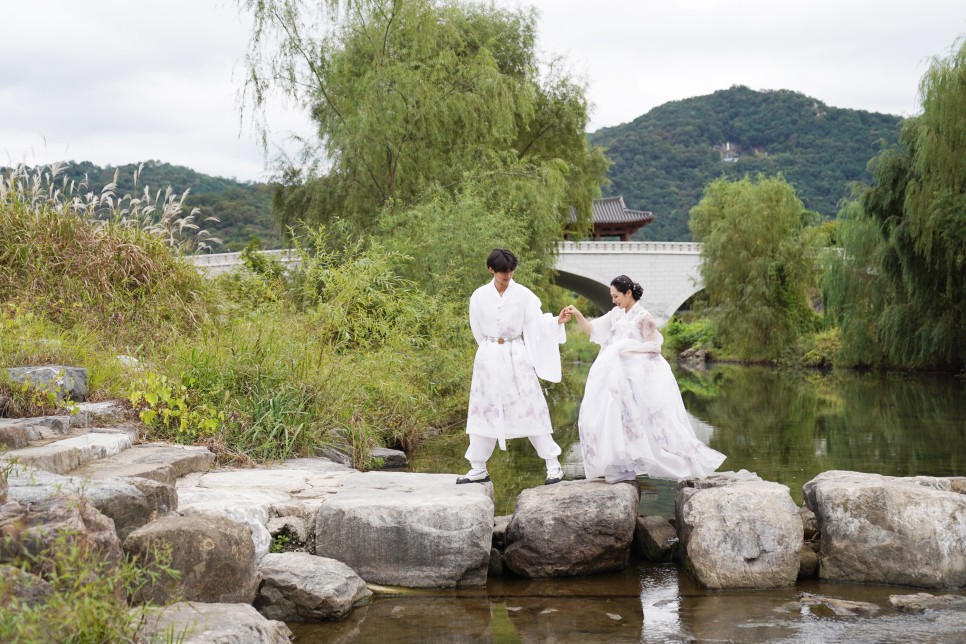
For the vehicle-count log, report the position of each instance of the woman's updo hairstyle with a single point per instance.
(624, 284)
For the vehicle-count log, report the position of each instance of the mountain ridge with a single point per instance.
(663, 159)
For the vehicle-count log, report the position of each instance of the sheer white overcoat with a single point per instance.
(632, 416)
(506, 400)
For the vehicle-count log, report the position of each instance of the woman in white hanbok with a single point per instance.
(632, 419)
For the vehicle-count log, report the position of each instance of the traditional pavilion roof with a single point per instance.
(613, 217)
(612, 210)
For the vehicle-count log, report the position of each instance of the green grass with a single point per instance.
(261, 365)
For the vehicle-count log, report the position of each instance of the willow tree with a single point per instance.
(758, 263)
(898, 289)
(415, 101)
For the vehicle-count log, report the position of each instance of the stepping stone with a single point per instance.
(20, 432)
(65, 455)
(16, 433)
(163, 463)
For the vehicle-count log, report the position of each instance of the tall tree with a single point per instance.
(915, 262)
(414, 98)
(759, 252)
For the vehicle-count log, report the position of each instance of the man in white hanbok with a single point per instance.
(517, 343)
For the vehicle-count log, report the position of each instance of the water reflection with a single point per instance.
(789, 426)
(646, 603)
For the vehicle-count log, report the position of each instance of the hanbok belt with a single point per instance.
(503, 340)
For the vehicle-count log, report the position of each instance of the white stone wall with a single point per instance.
(668, 271)
(220, 263)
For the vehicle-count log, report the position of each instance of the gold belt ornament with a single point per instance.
(503, 340)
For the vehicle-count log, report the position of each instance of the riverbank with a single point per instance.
(308, 507)
(285, 503)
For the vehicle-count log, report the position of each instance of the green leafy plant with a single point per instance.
(87, 599)
(280, 542)
(680, 335)
(168, 407)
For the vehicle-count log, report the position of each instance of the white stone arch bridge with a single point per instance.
(668, 271)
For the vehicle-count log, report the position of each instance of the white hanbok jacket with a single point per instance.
(517, 343)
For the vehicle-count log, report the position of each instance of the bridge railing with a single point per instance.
(225, 262)
(219, 263)
(689, 248)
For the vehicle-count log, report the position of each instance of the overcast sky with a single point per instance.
(119, 81)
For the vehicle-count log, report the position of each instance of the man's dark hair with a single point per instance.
(501, 260)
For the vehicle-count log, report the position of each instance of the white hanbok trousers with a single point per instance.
(481, 448)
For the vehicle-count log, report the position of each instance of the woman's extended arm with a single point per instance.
(582, 322)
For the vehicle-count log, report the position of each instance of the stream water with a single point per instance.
(787, 426)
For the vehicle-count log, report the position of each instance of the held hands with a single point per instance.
(582, 323)
(567, 313)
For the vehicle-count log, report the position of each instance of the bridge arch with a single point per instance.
(668, 271)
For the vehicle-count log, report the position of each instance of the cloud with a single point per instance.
(115, 81)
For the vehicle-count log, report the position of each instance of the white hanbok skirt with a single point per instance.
(632, 418)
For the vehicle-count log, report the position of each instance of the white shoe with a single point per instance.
(554, 477)
(478, 477)
(628, 475)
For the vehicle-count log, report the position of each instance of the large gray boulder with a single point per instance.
(162, 498)
(254, 496)
(62, 381)
(890, 530)
(29, 530)
(215, 556)
(127, 506)
(404, 529)
(299, 587)
(24, 588)
(738, 531)
(571, 528)
(201, 623)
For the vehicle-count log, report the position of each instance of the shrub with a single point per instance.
(110, 263)
(821, 349)
(680, 335)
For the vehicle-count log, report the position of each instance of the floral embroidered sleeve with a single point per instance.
(652, 337)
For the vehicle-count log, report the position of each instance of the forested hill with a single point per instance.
(242, 208)
(665, 158)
